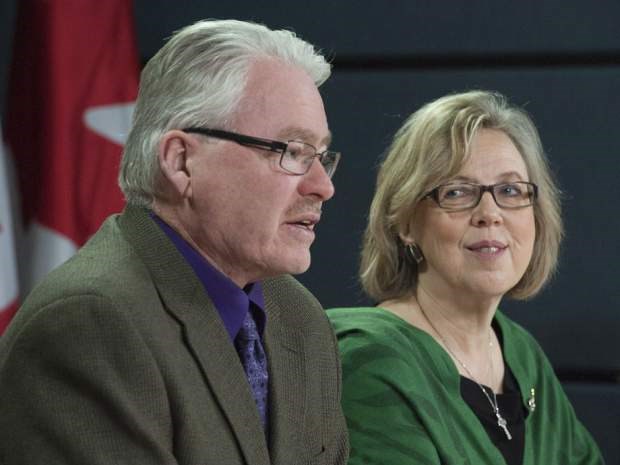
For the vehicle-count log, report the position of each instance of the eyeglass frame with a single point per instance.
(269, 145)
(434, 194)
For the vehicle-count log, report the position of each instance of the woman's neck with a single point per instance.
(463, 329)
(467, 321)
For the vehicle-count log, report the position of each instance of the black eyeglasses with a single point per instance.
(464, 195)
(296, 157)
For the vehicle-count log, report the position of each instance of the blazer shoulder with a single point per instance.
(285, 292)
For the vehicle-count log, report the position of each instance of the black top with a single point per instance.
(510, 407)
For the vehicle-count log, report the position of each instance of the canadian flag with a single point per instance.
(8, 279)
(73, 81)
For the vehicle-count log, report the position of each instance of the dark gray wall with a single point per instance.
(560, 59)
(7, 19)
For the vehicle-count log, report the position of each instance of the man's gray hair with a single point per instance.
(197, 79)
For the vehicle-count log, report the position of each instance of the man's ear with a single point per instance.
(174, 148)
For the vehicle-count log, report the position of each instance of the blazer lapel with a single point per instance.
(287, 393)
(208, 339)
(205, 334)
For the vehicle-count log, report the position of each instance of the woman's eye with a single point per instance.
(456, 192)
(453, 193)
(510, 190)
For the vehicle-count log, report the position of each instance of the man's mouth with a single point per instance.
(305, 223)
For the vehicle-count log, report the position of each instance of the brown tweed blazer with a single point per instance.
(119, 357)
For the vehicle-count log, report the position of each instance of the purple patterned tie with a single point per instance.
(254, 363)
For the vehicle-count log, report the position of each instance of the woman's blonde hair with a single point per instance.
(432, 147)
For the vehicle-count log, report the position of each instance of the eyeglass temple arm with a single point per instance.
(271, 145)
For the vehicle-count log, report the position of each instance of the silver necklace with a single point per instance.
(501, 421)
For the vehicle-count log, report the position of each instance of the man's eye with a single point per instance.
(294, 151)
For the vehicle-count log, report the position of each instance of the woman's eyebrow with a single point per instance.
(502, 176)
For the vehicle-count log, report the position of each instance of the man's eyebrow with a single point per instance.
(304, 135)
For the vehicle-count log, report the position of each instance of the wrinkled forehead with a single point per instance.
(281, 100)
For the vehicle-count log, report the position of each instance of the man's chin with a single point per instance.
(299, 264)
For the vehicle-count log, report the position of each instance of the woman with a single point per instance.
(465, 213)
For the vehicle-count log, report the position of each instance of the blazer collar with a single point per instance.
(204, 333)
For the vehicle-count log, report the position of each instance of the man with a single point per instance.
(176, 335)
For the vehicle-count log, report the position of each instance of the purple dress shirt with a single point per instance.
(231, 302)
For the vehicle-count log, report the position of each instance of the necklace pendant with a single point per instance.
(501, 422)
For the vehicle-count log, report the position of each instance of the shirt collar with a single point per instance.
(231, 302)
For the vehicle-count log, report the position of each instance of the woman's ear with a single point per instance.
(406, 234)
(406, 238)
(174, 148)
(410, 231)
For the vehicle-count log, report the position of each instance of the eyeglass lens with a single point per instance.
(298, 157)
(509, 195)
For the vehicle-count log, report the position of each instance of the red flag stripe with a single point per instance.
(70, 56)
(74, 62)
(6, 314)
